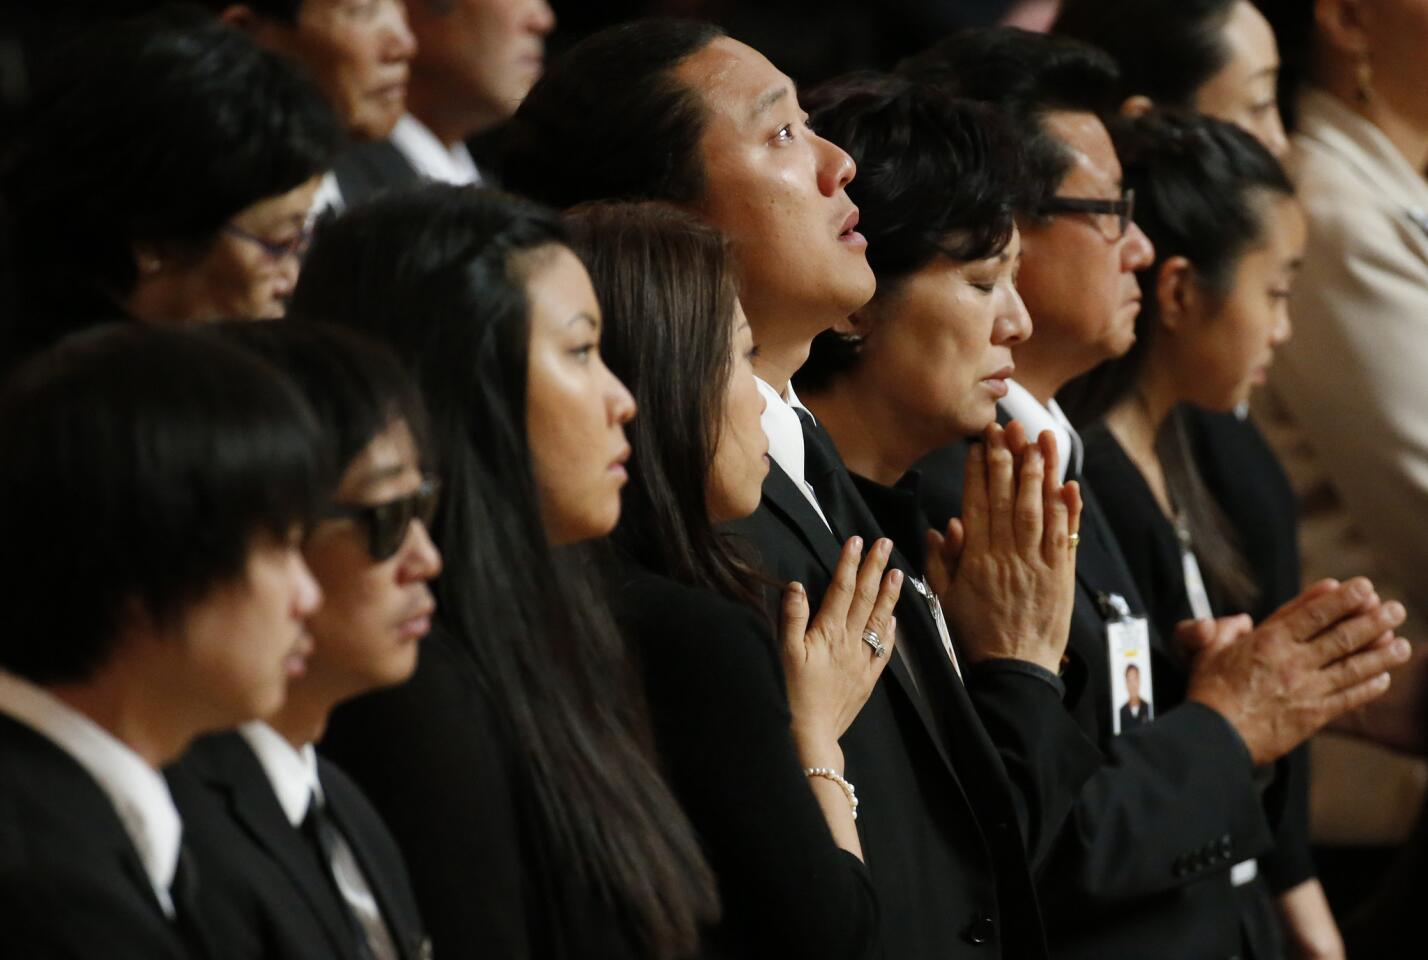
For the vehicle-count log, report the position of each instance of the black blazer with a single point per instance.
(444, 771)
(939, 818)
(367, 170)
(719, 711)
(72, 886)
(265, 894)
(1143, 858)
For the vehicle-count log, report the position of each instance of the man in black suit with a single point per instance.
(301, 866)
(1135, 712)
(1143, 864)
(942, 826)
(360, 57)
(127, 635)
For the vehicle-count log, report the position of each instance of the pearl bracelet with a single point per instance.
(828, 773)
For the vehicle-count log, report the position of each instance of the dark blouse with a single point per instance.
(719, 710)
(445, 774)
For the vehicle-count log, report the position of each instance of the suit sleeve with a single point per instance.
(722, 729)
(437, 769)
(1172, 802)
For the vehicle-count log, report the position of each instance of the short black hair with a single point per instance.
(153, 130)
(140, 463)
(355, 385)
(285, 11)
(1130, 667)
(1166, 49)
(607, 121)
(937, 176)
(1026, 75)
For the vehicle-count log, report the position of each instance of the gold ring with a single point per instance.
(1075, 539)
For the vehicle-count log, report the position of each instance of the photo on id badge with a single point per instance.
(1128, 643)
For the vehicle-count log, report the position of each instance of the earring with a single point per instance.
(1364, 76)
(150, 264)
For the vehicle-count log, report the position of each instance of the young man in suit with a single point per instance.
(360, 56)
(1144, 863)
(302, 866)
(128, 635)
(941, 825)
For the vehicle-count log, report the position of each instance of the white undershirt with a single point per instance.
(293, 775)
(140, 796)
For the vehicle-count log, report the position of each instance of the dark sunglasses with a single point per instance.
(387, 523)
(1123, 209)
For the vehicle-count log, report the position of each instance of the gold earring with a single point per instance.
(1364, 75)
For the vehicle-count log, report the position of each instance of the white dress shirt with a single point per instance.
(138, 791)
(785, 432)
(328, 198)
(1022, 406)
(430, 157)
(293, 774)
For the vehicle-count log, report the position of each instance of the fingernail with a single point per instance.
(885, 546)
(896, 579)
(857, 543)
(1393, 610)
(1402, 648)
(1359, 591)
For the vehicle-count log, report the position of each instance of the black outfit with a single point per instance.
(446, 774)
(267, 894)
(72, 886)
(939, 817)
(1141, 865)
(720, 716)
(366, 170)
(1131, 719)
(1153, 549)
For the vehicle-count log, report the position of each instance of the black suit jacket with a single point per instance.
(72, 886)
(1140, 867)
(720, 716)
(939, 818)
(367, 170)
(265, 894)
(1131, 721)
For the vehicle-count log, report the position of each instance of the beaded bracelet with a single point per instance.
(828, 773)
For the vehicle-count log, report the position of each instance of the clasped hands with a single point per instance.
(1005, 572)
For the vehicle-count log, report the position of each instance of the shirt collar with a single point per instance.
(430, 157)
(784, 429)
(292, 772)
(1021, 405)
(140, 796)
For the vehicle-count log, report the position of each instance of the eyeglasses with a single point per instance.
(1123, 209)
(387, 523)
(296, 247)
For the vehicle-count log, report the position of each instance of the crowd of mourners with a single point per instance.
(724, 520)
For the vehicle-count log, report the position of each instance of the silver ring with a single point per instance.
(870, 637)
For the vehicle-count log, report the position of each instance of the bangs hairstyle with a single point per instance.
(668, 292)
(1168, 63)
(140, 464)
(155, 130)
(937, 176)
(1024, 75)
(440, 273)
(355, 385)
(1202, 190)
(608, 121)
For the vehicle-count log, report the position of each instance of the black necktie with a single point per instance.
(183, 891)
(321, 833)
(820, 471)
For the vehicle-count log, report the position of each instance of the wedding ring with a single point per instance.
(1075, 539)
(870, 637)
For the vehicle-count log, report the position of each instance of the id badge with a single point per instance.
(1128, 653)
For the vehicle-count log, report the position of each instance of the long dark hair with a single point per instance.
(667, 292)
(1199, 185)
(440, 273)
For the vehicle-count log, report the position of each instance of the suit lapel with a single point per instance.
(253, 805)
(788, 503)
